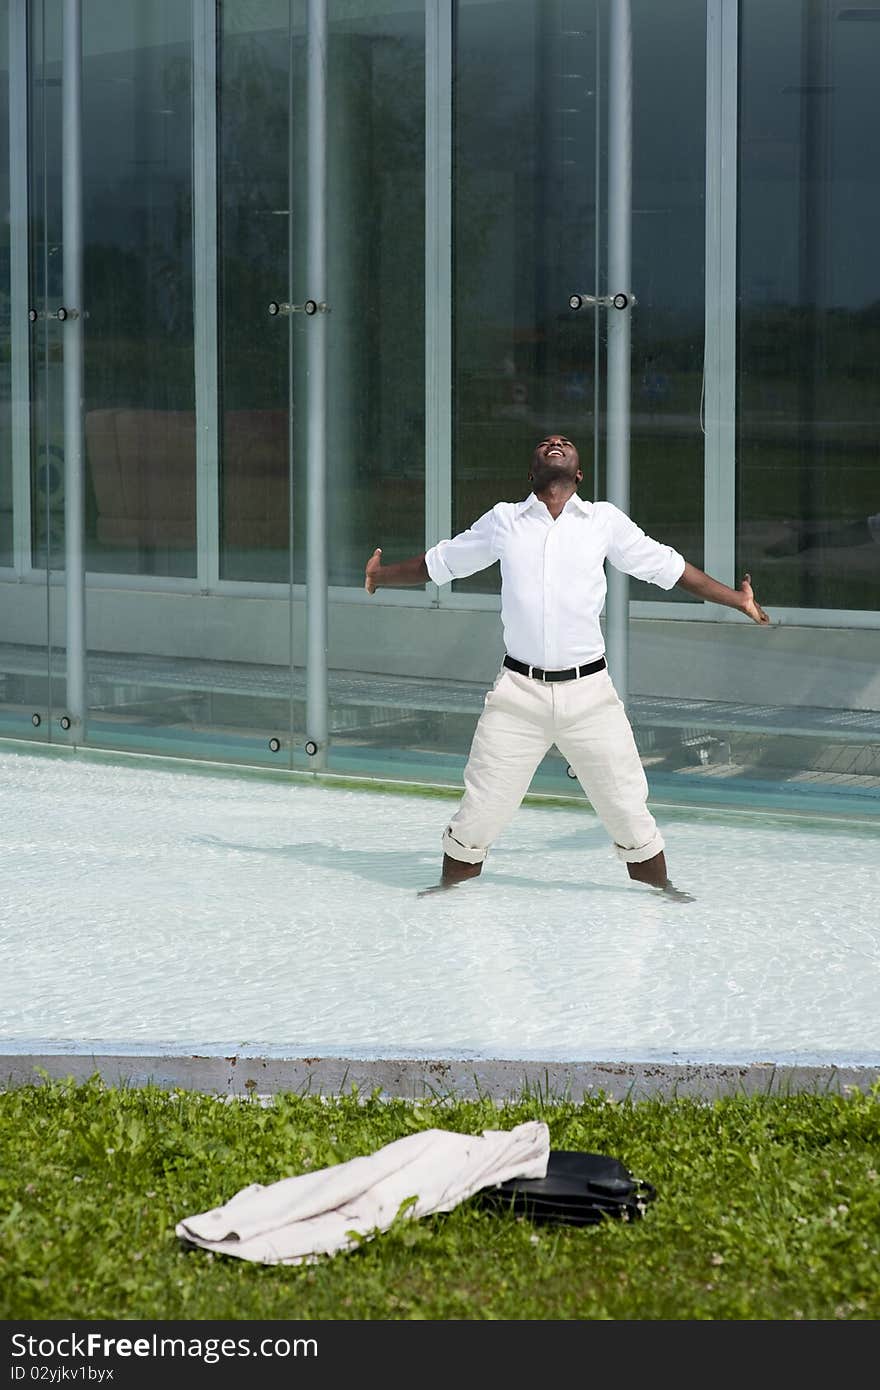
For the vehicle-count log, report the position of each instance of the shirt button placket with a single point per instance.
(547, 596)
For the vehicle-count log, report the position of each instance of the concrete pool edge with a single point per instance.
(441, 1078)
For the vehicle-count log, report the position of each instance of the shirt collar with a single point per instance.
(574, 503)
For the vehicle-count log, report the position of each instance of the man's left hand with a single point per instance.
(751, 606)
(374, 564)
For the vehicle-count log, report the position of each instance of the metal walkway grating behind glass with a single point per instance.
(444, 697)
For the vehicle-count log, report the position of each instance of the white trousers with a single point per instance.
(522, 718)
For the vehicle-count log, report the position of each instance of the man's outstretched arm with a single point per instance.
(704, 586)
(406, 572)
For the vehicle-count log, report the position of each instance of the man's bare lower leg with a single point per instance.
(653, 872)
(650, 871)
(454, 871)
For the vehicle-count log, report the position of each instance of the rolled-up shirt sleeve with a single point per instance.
(635, 553)
(466, 553)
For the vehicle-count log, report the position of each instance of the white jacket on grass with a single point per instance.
(330, 1210)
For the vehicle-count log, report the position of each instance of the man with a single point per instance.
(553, 687)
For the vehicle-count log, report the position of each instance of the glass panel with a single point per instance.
(527, 205)
(525, 80)
(376, 280)
(170, 670)
(25, 690)
(255, 227)
(668, 238)
(375, 342)
(35, 656)
(47, 364)
(6, 543)
(809, 226)
(375, 271)
(786, 716)
(139, 420)
(527, 91)
(723, 712)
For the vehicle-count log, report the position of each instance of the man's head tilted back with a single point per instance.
(555, 460)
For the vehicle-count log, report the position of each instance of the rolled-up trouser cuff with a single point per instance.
(654, 846)
(468, 854)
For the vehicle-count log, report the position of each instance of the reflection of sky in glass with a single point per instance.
(217, 913)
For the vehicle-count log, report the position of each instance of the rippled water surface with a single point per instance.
(145, 909)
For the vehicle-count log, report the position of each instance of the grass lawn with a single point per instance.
(767, 1207)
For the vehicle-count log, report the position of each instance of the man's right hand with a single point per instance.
(412, 571)
(373, 565)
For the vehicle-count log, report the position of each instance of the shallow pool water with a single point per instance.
(147, 910)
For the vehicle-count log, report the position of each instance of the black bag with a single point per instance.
(579, 1190)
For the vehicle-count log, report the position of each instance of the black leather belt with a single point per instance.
(572, 674)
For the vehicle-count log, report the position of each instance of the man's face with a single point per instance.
(555, 460)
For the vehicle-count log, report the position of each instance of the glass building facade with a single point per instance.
(286, 280)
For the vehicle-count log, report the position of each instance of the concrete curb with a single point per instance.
(426, 1080)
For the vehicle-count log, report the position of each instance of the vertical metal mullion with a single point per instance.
(619, 272)
(290, 294)
(205, 318)
(317, 723)
(439, 18)
(19, 288)
(74, 483)
(719, 519)
(597, 239)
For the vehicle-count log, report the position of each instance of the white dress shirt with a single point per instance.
(552, 572)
